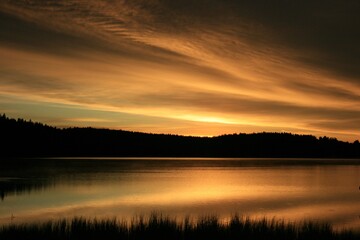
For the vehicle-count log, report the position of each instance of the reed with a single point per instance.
(158, 226)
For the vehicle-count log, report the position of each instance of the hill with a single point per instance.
(21, 138)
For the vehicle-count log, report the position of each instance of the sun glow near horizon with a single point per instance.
(191, 69)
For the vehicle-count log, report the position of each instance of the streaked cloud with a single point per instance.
(231, 65)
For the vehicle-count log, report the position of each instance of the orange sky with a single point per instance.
(184, 67)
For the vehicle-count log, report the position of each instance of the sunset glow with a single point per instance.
(183, 67)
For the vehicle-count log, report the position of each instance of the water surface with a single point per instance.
(291, 189)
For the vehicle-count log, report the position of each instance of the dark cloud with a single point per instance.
(65, 35)
(22, 34)
(323, 34)
(32, 82)
(325, 91)
(339, 124)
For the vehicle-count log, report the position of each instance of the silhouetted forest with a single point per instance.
(21, 138)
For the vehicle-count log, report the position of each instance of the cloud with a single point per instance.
(259, 63)
(342, 124)
(242, 106)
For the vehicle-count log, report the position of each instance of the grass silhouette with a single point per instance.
(160, 227)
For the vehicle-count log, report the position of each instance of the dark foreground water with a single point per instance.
(290, 189)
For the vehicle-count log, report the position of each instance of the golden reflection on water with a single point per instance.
(326, 193)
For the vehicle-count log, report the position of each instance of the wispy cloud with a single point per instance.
(289, 64)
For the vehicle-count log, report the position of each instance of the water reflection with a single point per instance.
(294, 190)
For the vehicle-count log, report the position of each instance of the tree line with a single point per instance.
(21, 138)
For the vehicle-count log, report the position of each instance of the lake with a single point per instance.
(290, 189)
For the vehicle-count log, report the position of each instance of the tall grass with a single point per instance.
(160, 227)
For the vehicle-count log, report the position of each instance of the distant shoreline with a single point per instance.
(28, 139)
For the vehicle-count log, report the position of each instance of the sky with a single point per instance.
(189, 67)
